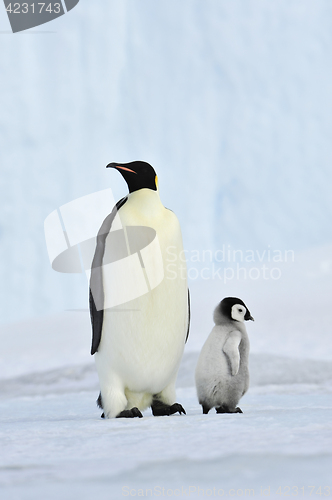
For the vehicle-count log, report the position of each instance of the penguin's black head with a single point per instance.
(234, 309)
(137, 174)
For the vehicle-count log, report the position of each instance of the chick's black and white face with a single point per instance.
(238, 312)
(234, 309)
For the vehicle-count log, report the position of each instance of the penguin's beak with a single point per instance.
(120, 167)
(248, 316)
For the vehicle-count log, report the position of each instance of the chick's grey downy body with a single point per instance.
(222, 374)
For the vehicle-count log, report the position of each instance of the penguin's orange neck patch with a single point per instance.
(156, 181)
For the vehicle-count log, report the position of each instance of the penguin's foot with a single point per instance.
(205, 409)
(226, 409)
(134, 412)
(176, 407)
(102, 415)
(159, 409)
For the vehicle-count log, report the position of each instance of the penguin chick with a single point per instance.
(222, 375)
(138, 345)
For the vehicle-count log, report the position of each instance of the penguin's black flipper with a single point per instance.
(100, 401)
(97, 318)
(188, 317)
(96, 280)
(188, 304)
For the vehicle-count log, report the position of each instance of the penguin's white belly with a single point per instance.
(143, 340)
(144, 345)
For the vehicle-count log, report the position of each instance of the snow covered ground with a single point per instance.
(54, 444)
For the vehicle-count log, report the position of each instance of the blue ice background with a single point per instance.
(230, 101)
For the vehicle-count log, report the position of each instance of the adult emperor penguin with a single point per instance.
(222, 375)
(138, 344)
